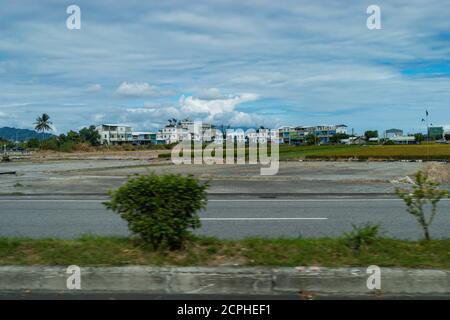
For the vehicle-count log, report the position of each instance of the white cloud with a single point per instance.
(94, 88)
(211, 93)
(213, 107)
(138, 89)
(220, 110)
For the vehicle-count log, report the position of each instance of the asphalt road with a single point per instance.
(227, 217)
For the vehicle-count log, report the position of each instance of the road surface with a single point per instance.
(228, 217)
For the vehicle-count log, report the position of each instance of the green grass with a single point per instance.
(105, 251)
(366, 152)
(370, 152)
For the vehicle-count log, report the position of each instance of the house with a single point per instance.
(187, 130)
(140, 138)
(171, 134)
(353, 140)
(284, 134)
(403, 140)
(114, 133)
(393, 133)
(325, 132)
(301, 132)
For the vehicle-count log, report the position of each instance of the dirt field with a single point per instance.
(94, 155)
(96, 175)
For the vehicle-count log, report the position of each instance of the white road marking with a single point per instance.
(263, 219)
(213, 200)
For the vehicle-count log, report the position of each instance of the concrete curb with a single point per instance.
(226, 280)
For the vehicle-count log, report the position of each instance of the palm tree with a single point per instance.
(43, 123)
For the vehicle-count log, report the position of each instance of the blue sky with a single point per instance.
(244, 63)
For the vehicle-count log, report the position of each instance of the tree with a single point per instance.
(73, 136)
(160, 209)
(90, 135)
(310, 139)
(43, 123)
(424, 193)
(338, 137)
(419, 137)
(370, 134)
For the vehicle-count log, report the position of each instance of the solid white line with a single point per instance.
(241, 219)
(51, 200)
(216, 200)
(299, 200)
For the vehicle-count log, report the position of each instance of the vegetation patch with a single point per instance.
(203, 251)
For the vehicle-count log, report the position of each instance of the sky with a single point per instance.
(241, 63)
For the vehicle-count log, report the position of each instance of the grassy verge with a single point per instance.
(104, 251)
(369, 152)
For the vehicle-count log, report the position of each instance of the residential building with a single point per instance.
(325, 132)
(187, 130)
(353, 140)
(393, 133)
(140, 138)
(436, 133)
(115, 133)
(301, 132)
(403, 140)
(284, 134)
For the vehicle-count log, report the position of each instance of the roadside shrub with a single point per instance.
(5, 158)
(49, 144)
(363, 235)
(160, 209)
(424, 193)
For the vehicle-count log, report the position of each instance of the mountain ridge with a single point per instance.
(17, 134)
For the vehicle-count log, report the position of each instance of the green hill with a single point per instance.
(14, 134)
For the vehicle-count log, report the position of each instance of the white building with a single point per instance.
(403, 140)
(187, 130)
(115, 133)
(143, 137)
(170, 134)
(391, 133)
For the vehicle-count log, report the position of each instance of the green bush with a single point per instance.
(362, 236)
(160, 209)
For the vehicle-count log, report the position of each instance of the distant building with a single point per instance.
(403, 140)
(393, 133)
(114, 133)
(140, 138)
(353, 140)
(187, 130)
(325, 132)
(301, 133)
(285, 134)
(436, 133)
